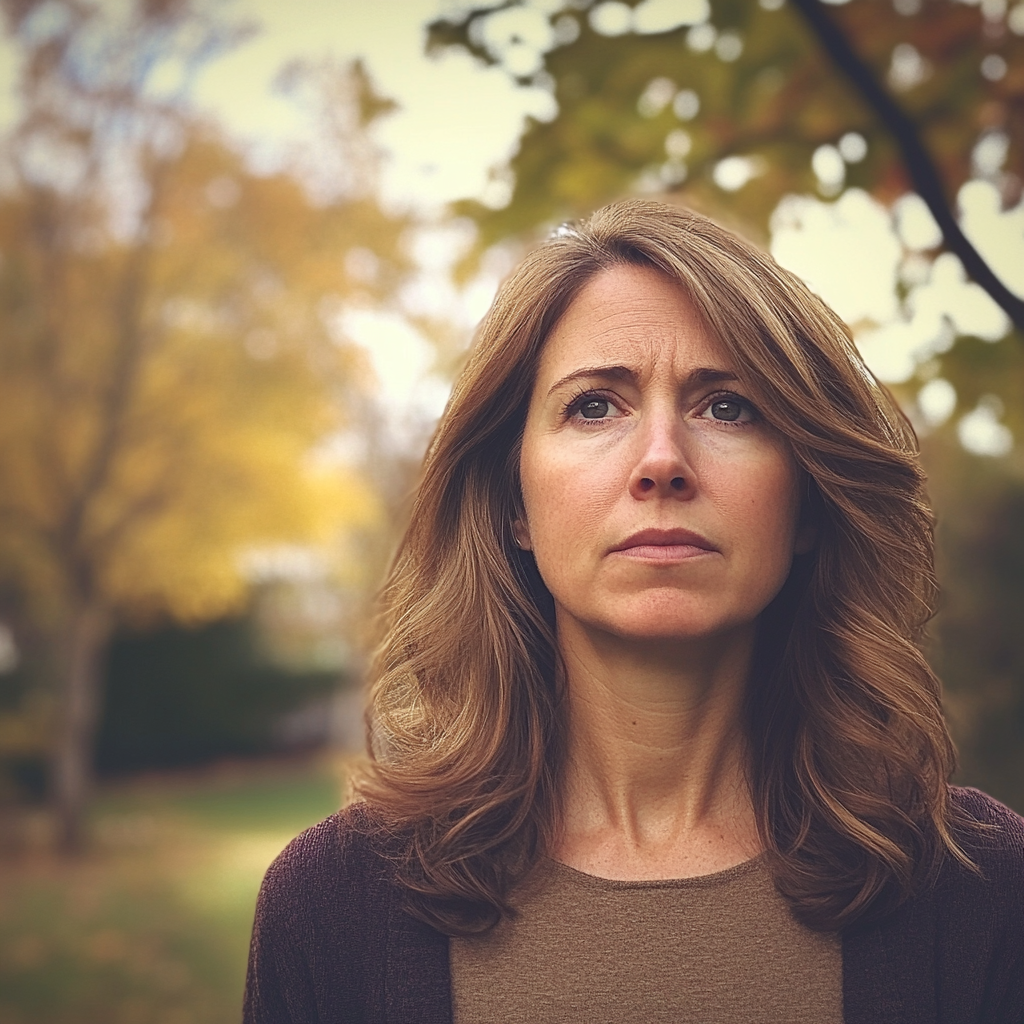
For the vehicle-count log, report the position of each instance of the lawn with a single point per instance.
(152, 926)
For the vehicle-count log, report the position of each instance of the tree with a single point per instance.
(168, 360)
(734, 103)
(923, 173)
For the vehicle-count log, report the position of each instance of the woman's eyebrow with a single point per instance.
(616, 373)
(709, 375)
(698, 376)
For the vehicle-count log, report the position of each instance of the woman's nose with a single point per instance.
(662, 468)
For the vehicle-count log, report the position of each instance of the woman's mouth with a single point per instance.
(664, 545)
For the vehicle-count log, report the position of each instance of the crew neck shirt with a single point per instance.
(722, 948)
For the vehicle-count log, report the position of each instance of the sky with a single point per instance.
(458, 121)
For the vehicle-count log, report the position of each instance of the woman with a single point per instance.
(652, 736)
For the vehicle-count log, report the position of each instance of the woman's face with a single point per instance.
(658, 504)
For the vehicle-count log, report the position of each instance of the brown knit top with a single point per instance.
(722, 947)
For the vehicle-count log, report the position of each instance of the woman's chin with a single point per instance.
(667, 626)
(669, 635)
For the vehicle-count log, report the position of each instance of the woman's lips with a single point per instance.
(664, 545)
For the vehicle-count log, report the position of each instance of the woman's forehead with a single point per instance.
(635, 317)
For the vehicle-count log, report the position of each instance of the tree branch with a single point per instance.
(923, 173)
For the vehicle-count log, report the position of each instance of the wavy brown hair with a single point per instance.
(851, 755)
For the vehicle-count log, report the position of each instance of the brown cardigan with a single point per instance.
(332, 944)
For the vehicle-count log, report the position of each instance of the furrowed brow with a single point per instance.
(709, 375)
(695, 378)
(615, 373)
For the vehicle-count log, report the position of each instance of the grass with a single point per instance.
(152, 926)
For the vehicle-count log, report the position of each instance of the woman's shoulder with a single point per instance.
(989, 832)
(983, 807)
(331, 935)
(955, 951)
(342, 858)
(325, 912)
(989, 895)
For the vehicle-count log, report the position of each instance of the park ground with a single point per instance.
(152, 925)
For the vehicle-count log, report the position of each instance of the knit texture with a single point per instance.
(332, 944)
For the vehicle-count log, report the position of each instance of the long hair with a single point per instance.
(851, 755)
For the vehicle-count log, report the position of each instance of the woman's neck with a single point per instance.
(655, 783)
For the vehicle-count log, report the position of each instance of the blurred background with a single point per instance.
(243, 245)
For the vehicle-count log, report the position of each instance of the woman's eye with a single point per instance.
(592, 407)
(729, 409)
(595, 408)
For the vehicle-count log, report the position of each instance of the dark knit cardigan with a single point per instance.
(332, 944)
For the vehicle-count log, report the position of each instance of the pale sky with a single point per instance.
(456, 118)
(457, 121)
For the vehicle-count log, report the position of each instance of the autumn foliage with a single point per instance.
(170, 363)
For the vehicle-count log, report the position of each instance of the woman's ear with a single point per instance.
(521, 532)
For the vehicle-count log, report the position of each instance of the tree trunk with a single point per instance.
(82, 643)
